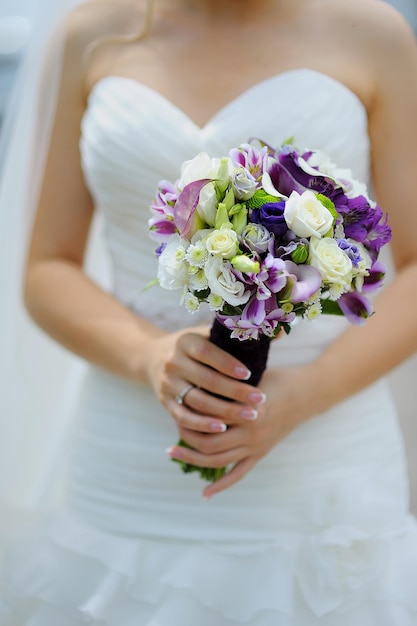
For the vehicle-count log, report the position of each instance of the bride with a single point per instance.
(311, 524)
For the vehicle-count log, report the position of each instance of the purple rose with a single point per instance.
(271, 215)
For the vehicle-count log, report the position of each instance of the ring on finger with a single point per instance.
(180, 398)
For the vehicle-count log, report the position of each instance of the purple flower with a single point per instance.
(375, 278)
(256, 238)
(271, 215)
(185, 215)
(351, 250)
(251, 158)
(366, 224)
(160, 229)
(355, 307)
(288, 175)
(165, 198)
(306, 281)
(258, 317)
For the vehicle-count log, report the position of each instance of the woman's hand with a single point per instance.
(247, 441)
(186, 358)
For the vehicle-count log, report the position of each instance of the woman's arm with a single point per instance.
(81, 316)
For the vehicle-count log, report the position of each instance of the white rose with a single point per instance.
(332, 263)
(306, 216)
(222, 282)
(207, 204)
(202, 166)
(337, 565)
(223, 242)
(173, 270)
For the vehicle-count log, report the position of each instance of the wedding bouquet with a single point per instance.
(265, 235)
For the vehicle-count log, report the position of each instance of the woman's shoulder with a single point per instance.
(374, 36)
(371, 23)
(103, 18)
(92, 24)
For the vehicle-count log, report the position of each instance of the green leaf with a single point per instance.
(288, 142)
(326, 202)
(330, 307)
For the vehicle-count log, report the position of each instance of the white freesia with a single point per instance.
(337, 565)
(223, 242)
(222, 282)
(202, 166)
(332, 263)
(306, 216)
(172, 266)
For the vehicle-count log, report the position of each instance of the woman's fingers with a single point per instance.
(201, 350)
(230, 478)
(229, 456)
(188, 420)
(233, 412)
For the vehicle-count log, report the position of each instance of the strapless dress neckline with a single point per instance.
(258, 86)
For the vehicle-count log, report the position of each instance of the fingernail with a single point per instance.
(217, 427)
(257, 397)
(243, 373)
(249, 414)
(174, 453)
(206, 498)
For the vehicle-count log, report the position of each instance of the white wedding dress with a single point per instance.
(319, 532)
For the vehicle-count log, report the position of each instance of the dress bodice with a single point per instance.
(132, 137)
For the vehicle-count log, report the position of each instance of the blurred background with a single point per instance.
(16, 23)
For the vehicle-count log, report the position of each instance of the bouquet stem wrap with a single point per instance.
(254, 354)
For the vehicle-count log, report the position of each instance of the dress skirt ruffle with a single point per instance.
(69, 575)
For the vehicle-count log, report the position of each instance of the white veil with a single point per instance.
(37, 377)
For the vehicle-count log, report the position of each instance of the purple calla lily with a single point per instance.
(375, 279)
(186, 217)
(355, 307)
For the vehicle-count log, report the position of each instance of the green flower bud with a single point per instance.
(222, 216)
(229, 199)
(222, 180)
(300, 254)
(240, 220)
(243, 263)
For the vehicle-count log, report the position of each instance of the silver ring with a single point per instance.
(180, 398)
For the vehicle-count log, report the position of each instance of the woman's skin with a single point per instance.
(201, 55)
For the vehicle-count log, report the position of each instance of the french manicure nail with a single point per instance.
(257, 397)
(217, 427)
(174, 453)
(249, 414)
(243, 373)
